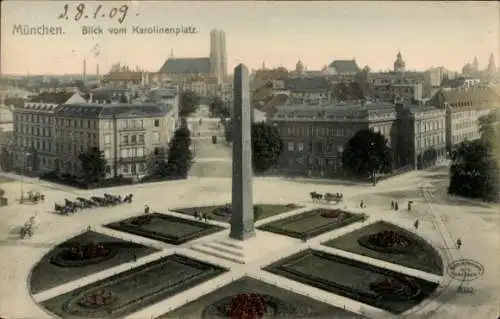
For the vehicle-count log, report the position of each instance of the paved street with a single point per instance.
(440, 224)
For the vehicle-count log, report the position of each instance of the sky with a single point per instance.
(427, 34)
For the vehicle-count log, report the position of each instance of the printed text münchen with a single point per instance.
(26, 29)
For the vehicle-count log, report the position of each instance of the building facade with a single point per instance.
(33, 137)
(421, 136)
(464, 106)
(315, 136)
(131, 136)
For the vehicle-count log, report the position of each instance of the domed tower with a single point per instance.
(399, 64)
(475, 64)
(299, 67)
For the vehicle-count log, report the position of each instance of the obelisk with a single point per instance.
(242, 222)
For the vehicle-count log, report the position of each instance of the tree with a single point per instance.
(367, 154)
(93, 164)
(180, 157)
(267, 146)
(219, 108)
(5, 159)
(189, 103)
(474, 170)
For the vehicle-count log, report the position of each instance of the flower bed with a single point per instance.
(388, 241)
(83, 255)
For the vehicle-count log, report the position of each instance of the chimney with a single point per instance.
(84, 75)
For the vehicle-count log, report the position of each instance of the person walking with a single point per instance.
(459, 243)
(416, 224)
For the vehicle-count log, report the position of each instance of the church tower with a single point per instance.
(399, 64)
(491, 64)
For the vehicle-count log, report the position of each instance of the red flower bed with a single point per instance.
(87, 251)
(98, 299)
(247, 306)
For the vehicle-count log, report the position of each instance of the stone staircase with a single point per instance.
(222, 249)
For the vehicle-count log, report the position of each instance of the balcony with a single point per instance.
(137, 143)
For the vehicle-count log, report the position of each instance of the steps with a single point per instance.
(220, 249)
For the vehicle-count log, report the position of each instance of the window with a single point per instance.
(156, 137)
(125, 168)
(125, 139)
(156, 151)
(141, 138)
(157, 123)
(105, 125)
(123, 153)
(300, 146)
(140, 151)
(133, 139)
(107, 138)
(107, 153)
(290, 146)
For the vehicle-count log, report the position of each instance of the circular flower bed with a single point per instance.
(400, 289)
(97, 299)
(329, 213)
(244, 306)
(387, 241)
(83, 254)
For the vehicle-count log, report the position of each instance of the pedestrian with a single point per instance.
(361, 204)
(416, 224)
(459, 243)
(409, 205)
(146, 209)
(392, 204)
(89, 228)
(396, 205)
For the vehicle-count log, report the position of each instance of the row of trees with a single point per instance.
(474, 170)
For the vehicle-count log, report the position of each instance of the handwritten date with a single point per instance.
(81, 12)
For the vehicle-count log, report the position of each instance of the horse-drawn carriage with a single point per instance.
(81, 203)
(34, 197)
(327, 197)
(29, 227)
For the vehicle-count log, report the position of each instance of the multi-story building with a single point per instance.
(421, 136)
(131, 136)
(33, 136)
(309, 89)
(49, 137)
(315, 136)
(395, 86)
(464, 106)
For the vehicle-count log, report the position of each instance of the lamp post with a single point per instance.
(374, 178)
(22, 175)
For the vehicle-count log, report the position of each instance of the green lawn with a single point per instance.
(266, 210)
(424, 257)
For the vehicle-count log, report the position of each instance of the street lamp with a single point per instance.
(374, 178)
(26, 155)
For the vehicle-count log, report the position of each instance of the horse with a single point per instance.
(316, 196)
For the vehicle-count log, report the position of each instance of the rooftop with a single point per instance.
(345, 66)
(186, 66)
(307, 84)
(93, 110)
(340, 111)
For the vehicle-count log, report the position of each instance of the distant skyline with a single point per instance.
(428, 34)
